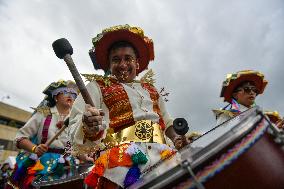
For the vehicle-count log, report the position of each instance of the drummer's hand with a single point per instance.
(180, 141)
(41, 149)
(93, 118)
(86, 158)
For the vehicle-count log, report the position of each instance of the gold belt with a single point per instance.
(141, 131)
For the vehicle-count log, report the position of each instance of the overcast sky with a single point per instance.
(196, 44)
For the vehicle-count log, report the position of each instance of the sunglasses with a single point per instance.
(248, 89)
(69, 94)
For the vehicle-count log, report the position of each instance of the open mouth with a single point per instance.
(124, 74)
(251, 98)
(69, 100)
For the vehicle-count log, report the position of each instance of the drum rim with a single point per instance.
(203, 156)
(231, 136)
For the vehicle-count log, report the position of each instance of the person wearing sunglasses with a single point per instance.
(240, 91)
(37, 158)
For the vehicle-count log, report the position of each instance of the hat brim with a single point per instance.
(228, 90)
(54, 85)
(103, 45)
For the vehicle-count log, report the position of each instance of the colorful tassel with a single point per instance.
(139, 158)
(22, 168)
(132, 149)
(235, 106)
(162, 147)
(132, 176)
(99, 169)
(92, 180)
(28, 181)
(37, 167)
(136, 153)
(166, 153)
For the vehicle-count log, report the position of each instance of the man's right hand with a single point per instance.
(93, 118)
(41, 149)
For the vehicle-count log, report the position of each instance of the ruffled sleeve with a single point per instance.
(30, 129)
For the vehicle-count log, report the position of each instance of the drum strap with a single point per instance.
(46, 125)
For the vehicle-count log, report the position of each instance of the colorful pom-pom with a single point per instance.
(132, 176)
(99, 169)
(166, 153)
(139, 158)
(92, 180)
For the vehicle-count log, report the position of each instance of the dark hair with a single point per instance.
(120, 44)
(50, 101)
(3, 165)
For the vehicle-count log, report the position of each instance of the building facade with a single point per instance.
(11, 119)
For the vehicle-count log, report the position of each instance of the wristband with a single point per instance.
(34, 148)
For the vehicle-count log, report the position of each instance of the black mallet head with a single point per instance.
(180, 126)
(62, 47)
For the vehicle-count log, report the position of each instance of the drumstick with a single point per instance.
(64, 50)
(66, 123)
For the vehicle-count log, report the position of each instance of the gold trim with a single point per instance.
(109, 80)
(148, 77)
(141, 131)
(96, 77)
(45, 110)
(135, 30)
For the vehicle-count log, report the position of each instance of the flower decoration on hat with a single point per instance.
(61, 86)
(133, 35)
(234, 80)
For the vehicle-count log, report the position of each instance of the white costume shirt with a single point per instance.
(224, 117)
(34, 126)
(142, 108)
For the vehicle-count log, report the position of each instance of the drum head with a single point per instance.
(213, 141)
(164, 174)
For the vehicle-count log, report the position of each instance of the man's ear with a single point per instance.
(137, 64)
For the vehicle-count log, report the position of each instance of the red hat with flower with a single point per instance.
(133, 35)
(234, 80)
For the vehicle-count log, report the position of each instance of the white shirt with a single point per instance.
(34, 127)
(142, 108)
(224, 117)
(141, 103)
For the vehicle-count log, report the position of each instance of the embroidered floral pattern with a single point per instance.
(117, 101)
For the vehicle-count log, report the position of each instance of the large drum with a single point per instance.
(239, 154)
(71, 178)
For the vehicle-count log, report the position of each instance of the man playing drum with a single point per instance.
(240, 90)
(126, 127)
